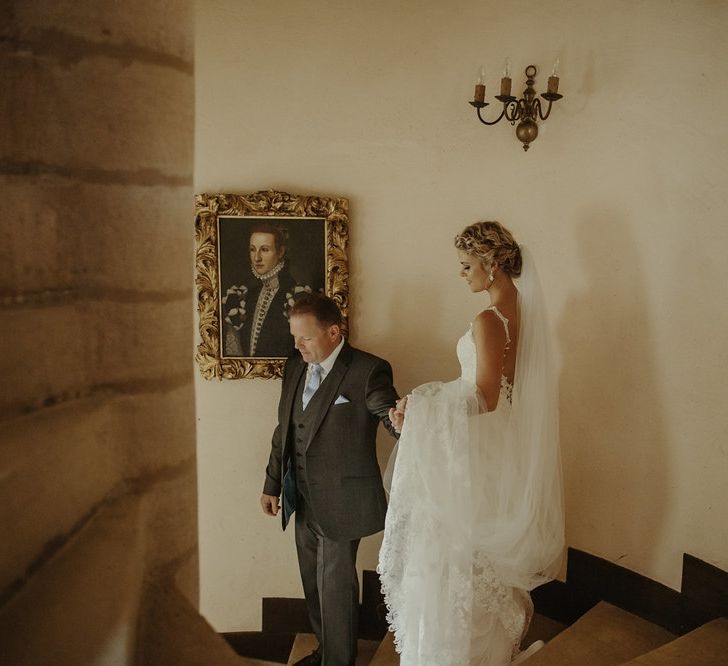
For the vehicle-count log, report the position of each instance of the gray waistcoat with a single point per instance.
(299, 434)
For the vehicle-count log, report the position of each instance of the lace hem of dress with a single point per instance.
(482, 610)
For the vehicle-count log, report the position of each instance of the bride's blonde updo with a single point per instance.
(491, 242)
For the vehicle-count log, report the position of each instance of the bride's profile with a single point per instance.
(475, 518)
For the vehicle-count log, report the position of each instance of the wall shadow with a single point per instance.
(618, 471)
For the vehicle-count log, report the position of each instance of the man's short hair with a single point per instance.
(322, 307)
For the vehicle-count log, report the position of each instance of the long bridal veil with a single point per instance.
(475, 517)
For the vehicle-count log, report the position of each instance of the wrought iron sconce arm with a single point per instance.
(483, 120)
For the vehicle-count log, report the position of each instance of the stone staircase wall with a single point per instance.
(97, 464)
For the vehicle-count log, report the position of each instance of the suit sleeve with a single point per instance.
(381, 394)
(273, 475)
(272, 485)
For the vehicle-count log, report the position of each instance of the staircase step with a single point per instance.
(604, 636)
(705, 646)
(386, 655)
(541, 627)
(177, 635)
(305, 644)
(272, 646)
(92, 587)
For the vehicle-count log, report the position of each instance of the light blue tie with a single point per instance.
(314, 381)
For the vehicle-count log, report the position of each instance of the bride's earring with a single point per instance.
(491, 277)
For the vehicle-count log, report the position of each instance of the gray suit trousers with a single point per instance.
(331, 587)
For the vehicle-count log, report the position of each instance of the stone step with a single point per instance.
(305, 644)
(705, 646)
(604, 636)
(92, 585)
(542, 628)
(386, 655)
(177, 635)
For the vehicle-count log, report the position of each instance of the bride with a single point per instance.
(475, 518)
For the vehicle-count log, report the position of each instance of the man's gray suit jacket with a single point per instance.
(343, 478)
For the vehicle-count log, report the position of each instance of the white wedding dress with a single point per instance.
(475, 516)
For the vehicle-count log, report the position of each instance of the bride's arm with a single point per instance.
(490, 345)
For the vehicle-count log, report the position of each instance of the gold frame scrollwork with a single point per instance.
(334, 210)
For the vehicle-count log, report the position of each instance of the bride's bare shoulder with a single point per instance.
(487, 324)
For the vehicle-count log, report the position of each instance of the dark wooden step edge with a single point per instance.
(263, 645)
(590, 579)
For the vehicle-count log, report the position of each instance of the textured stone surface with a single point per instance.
(57, 466)
(135, 120)
(60, 462)
(63, 234)
(38, 250)
(95, 280)
(158, 426)
(46, 355)
(82, 609)
(172, 519)
(77, 349)
(139, 341)
(162, 26)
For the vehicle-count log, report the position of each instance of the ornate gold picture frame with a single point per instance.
(255, 254)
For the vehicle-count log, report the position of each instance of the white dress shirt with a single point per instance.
(327, 363)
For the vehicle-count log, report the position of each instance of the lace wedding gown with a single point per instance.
(464, 539)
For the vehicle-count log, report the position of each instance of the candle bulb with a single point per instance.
(553, 86)
(480, 87)
(506, 86)
(479, 92)
(505, 90)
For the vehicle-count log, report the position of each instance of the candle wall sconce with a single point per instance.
(526, 110)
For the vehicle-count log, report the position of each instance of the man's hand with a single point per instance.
(269, 504)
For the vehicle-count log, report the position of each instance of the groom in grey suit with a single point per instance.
(323, 466)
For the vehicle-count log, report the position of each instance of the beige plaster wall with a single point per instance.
(96, 402)
(622, 199)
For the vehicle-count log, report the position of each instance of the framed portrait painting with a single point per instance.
(256, 254)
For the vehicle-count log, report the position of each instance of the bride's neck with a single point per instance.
(502, 293)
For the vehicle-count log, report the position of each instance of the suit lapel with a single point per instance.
(288, 397)
(323, 398)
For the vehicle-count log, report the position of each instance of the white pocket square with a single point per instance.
(341, 400)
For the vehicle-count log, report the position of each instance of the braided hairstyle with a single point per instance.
(491, 242)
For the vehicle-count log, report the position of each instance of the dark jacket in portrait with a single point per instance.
(255, 316)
